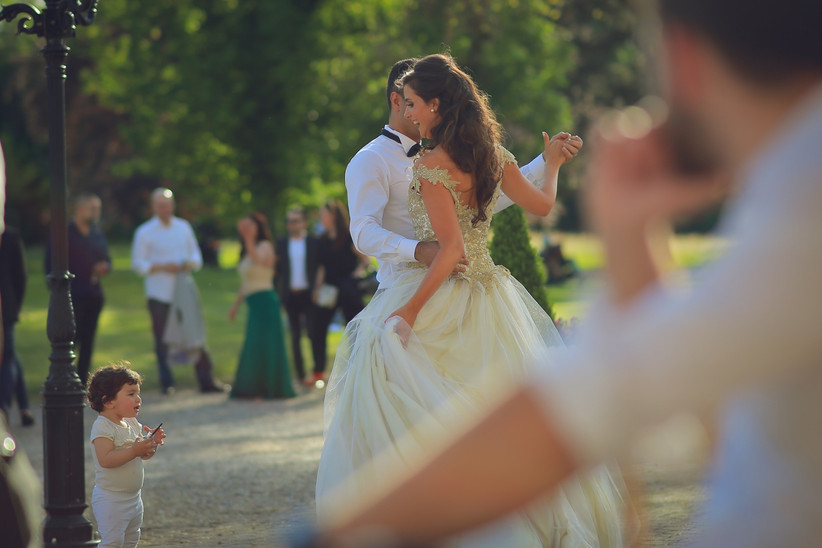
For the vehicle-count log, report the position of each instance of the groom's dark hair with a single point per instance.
(763, 41)
(399, 68)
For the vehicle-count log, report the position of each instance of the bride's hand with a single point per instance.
(410, 316)
(405, 324)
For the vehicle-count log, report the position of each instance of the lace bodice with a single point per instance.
(480, 265)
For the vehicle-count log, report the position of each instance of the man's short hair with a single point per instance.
(85, 197)
(763, 41)
(296, 210)
(161, 192)
(399, 68)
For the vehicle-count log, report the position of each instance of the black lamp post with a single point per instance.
(63, 394)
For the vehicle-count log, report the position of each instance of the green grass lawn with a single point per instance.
(124, 332)
(570, 298)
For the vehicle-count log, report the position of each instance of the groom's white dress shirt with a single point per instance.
(377, 181)
(747, 337)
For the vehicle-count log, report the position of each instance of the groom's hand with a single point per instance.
(426, 251)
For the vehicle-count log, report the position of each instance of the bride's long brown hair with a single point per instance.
(468, 130)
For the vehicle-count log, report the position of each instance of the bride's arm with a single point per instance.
(558, 150)
(443, 215)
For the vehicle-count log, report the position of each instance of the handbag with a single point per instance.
(327, 295)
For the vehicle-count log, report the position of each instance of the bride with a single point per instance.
(430, 351)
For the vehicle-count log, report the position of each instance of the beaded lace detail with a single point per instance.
(480, 268)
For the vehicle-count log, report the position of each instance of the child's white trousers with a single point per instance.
(119, 517)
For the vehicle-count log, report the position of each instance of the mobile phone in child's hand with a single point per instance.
(151, 434)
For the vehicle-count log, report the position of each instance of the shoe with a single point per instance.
(217, 386)
(167, 391)
(26, 417)
(319, 381)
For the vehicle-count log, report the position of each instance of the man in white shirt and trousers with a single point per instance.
(163, 248)
(744, 87)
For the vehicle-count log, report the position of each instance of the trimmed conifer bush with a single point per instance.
(511, 247)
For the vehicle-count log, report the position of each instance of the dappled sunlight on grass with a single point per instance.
(570, 298)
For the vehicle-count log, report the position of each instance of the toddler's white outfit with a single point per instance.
(116, 499)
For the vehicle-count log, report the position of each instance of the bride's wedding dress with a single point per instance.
(390, 400)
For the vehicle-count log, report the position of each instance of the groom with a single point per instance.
(377, 181)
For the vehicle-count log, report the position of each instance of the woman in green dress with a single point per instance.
(263, 370)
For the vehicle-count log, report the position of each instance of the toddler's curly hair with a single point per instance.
(104, 383)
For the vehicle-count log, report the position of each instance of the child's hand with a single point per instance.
(144, 448)
(159, 435)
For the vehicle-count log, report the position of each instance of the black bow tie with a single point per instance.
(411, 151)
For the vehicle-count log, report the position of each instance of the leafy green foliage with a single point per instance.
(511, 247)
(251, 105)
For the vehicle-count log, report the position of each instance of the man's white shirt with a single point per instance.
(377, 180)
(156, 243)
(296, 260)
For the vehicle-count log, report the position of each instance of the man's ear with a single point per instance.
(397, 101)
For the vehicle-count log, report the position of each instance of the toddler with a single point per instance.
(120, 445)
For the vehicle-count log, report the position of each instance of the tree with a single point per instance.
(511, 248)
(241, 105)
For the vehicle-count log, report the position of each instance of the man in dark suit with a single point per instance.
(295, 273)
(89, 261)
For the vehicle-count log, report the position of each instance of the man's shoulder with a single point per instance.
(376, 152)
(180, 222)
(146, 225)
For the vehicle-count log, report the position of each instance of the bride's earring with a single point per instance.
(432, 110)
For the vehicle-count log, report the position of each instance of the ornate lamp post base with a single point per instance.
(63, 393)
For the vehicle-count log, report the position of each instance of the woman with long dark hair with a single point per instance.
(431, 350)
(263, 370)
(338, 262)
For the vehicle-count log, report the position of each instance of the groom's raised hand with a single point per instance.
(426, 251)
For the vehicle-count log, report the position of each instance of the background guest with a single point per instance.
(163, 247)
(89, 260)
(263, 370)
(12, 290)
(296, 271)
(338, 261)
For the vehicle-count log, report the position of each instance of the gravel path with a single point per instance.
(241, 473)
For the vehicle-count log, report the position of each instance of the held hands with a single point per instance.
(232, 312)
(561, 148)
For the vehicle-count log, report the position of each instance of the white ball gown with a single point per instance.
(387, 403)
